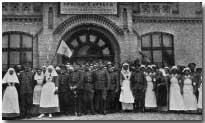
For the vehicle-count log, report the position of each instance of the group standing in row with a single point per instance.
(100, 88)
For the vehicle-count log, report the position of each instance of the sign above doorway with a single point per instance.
(88, 8)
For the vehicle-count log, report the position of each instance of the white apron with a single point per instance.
(37, 92)
(176, 101)
(126, 95)
(48, 98)
(200, 97)
(10, 102)
(190, 100)
(150, 97)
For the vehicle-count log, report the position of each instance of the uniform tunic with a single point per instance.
(64, 90)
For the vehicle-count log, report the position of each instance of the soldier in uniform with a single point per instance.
(138, 86)
(100, 86)
(26, 79)
(63, 90)
(112, 90)
(88, 86)
(75, 84)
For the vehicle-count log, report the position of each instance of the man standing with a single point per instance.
(138, 87)
(100, 86)
(88, 86)
(75, 84)
(112, 90)
(26, 91)
(63, 90)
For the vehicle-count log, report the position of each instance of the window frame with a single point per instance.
(161, 48)
(8, 49)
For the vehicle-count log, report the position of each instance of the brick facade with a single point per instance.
(186, 27)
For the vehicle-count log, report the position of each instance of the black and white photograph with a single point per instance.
(102, 60)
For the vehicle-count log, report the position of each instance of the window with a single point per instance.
(50, 18)
(17, 48)
(158, 48)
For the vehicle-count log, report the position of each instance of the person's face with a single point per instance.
(19, 67)
(149, 70)
(166, 70)
(39, 72)
(63, 70)
(27, 68)
(125, 67)
(11, 72)
(142, 69)
(192, 67)
(186, 72)
(50, 70)
(174, 71)
(110, 69)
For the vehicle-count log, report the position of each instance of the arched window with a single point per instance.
(50, 18)
(158, 47)
(17, 48)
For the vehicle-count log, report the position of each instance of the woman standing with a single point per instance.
(190, 100)
(200, 96)
(10, 104)
(49, 98)
(38, 78)
(126, 96)
(176, 102)
(162, 90)
(150, 97)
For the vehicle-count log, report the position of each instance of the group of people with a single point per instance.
(100, 87)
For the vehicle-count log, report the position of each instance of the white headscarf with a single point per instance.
(125, 72)
(10, 78)
(53, 73)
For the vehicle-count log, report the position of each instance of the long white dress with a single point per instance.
(49, 102)
(200, 97)
(10, 104)
(37, 89)
(150, 97)
(126, 96)
(190, 100)
(176, 101)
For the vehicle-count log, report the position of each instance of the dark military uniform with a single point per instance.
(112, 95)
(63, 90)
(26, 93)
(138, 86)
(100, 86)
(88, 86)
(76, 94)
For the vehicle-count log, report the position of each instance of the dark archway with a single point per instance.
(91, 42)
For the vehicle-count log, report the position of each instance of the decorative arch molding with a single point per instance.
(78, 19)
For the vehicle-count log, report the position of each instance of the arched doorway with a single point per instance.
(91, 42)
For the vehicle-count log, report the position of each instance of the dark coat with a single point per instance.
(63, 83)
(26, 82)
(87, 79)
(101, 79)
(138, 83)
(113, 81)
(75, 79)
